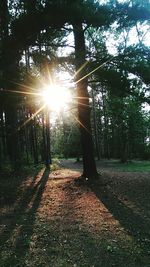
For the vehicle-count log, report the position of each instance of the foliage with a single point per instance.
(117, 72)
(66, 138)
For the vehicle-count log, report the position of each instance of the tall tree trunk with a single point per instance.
(36, 141)
(46, 148)
(2, 128)
(106, 138)
(9, 62)
(33, 140)
(45, 70)
(95, 126)
(123, 143)
(26, 144)
(43, 148)
(89, 166)
(48, 151)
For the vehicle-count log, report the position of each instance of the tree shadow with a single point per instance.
(22, 220)
(10, 184)
(92, 250)
(79, 246)
(135, 224)
(64, 240)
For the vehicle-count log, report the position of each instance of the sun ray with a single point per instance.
(21, 92)
(28, 120)
(23, 85)
(47, 77)
(80, 123)
(82, 67)
(88, 74)
(82, 104)
(50, 77)
(81, 97)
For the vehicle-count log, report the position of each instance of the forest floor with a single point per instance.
(51, 220)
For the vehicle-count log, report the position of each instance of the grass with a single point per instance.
(49, 246)
(131, 166)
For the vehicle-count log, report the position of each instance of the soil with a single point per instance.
(54, 220)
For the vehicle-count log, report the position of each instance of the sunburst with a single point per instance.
(52, 94)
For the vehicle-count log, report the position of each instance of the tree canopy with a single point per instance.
(103, 47)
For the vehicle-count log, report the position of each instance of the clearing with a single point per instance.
(51, 220)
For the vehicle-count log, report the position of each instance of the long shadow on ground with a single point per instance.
(83, 246)
(136, 224)
(15, 237)
(10, 186)
(64, 239)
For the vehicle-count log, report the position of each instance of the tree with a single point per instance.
(89, 166)
(9, 67)
(111, 74)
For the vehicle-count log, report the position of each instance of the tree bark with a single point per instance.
(9, 63)
(48, 150)
(89, 166)
(95, 126)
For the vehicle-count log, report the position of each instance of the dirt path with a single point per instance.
(57, 222)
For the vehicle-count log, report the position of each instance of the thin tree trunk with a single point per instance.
(106, 139)
(26, 145)
(48, 153)
(36, 142)
(84, 110)
(95, 126)
(43, 149)
(3, 133)
(33, 141)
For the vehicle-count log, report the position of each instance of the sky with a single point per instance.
(132, 38)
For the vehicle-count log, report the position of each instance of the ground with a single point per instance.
(51, 219)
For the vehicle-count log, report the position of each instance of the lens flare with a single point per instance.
(56, 97)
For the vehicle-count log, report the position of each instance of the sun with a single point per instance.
(56, 97)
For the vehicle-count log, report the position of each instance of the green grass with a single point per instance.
(132, 166)
(47, 244)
